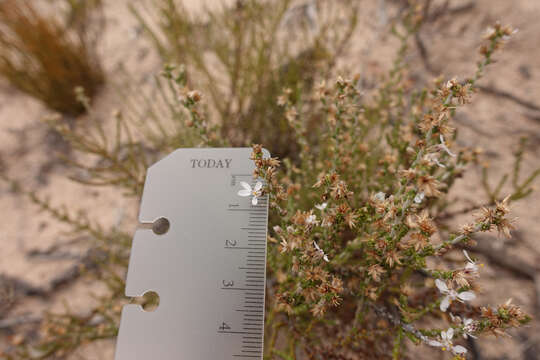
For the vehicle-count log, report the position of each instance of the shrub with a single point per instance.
(48, 58)
(358, 220)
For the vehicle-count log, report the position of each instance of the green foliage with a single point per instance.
(47, 57)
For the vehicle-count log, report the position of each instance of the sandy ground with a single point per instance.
(491, 122)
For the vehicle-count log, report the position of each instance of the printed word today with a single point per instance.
(211, 163)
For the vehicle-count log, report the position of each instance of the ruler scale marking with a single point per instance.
(207, 293)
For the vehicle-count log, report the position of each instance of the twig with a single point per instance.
(509, 96)
(21, 287)
(442, 10)
(445, 10)
(88, 262)
(396, 321)
(54, 252)
(537, 289)
(52, 256)
(18, 320)
(473, 347)
(424, 55)
(534, 117)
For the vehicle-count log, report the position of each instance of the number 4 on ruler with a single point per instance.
(208, 266)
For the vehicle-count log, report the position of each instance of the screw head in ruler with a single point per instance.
(208, 268)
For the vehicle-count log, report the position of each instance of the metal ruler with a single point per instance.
(208, 268)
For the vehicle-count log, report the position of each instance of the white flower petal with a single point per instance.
(445, 303)
(444, 336)
(258, 186)
(441, 285)
(245, 185)
(467, 295)
(439, 164)
(317, 246)
(321, 206)
(244, 192)
(450, 333)
(325, 257)
(419, 197)
(254, 201)
(458, 349)
(435, 343)
(467, 256)
(445, 148)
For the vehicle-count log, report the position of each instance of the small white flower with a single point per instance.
(277, 229)
(451, 83)
(506, 37)
(311, 219)
(471, 268)
(490, 31)
(322, 206)
(419, 197)
(248, 191)
(379, 196)
(321, 251)
(452, 295)
(433, 158)
(445, 342)
(445, 148)
(468, 328)
(467, 325)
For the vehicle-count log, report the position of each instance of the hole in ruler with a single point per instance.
(149, 301)
(161, 226)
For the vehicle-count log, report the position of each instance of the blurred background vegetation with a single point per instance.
(48, 53)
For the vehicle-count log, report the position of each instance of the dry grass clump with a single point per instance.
(243, 56)
(47, 57)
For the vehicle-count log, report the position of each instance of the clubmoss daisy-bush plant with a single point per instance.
(355, 226)
(358, 245)
(49, 56)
